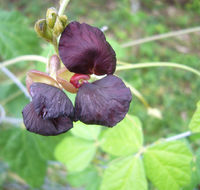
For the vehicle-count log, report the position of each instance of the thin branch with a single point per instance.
(63, 5)
(179, 136)
(24, 58)
(16, 81)
(161, 36)
(158, 64)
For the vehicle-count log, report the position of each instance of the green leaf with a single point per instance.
(20, 149)
(195, 122)
(47, 144)
(124, 139)
(167, 165)
(16, 38)
(88, 132)
(88, 178)
(195, 178)
(75, 153)
(125, 174)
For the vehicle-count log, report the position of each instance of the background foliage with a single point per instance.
(133, 154)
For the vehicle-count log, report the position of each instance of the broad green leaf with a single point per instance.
(167, 165)
(125, 138)
(125, 174)
(20, 149)
(88, 178)
(16, 37)
(195, 122)
(75, 153)
(195, 178)
(47, 144)
(88, 132)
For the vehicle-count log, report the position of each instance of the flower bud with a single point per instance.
(51, 17)
(54, 65)
(59, 26)
(42, 30)
(63, 19)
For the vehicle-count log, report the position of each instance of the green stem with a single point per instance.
(63, 5)
(160, 36)
(157, 64)
(138, 95)
(23, 58)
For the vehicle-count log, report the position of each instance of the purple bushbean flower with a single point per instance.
(50, 112)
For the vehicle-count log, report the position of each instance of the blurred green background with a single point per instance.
(174, 92)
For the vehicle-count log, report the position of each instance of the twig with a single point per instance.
(24, 58)
(179, 136)
(161, 36)
(11, 120)
(63, 5)
(157, 64)
(16, 81)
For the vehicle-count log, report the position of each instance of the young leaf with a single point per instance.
(88, 178)
(16, 38)
(125, 174)
(75, 153)
(167, 165)
(20, 149)
(195, 122)
(88, 132)
(124, 139)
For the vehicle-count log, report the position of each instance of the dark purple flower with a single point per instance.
(83, 49)
(50, 112)
(104, 102)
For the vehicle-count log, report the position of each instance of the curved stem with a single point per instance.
(161, 36)
(158, 64)
(137, 94)
(23, 58)
(63, 5)
(16, 81)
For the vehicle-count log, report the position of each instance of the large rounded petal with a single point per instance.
(50, 102)
(35, 123)
(83, 49)
(104, 102)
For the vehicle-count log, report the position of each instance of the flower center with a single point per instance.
(77, 80)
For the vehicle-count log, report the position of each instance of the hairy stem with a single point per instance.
(161, 36)
(157, 64)
(63, 5)
(24, 58)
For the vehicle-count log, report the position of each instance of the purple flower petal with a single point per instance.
(35, 123)
(104, 102)
(50, 102)
(83, 49)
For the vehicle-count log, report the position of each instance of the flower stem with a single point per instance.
(63, 5)
(23, 58)
(161, 36)
(157, 64)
